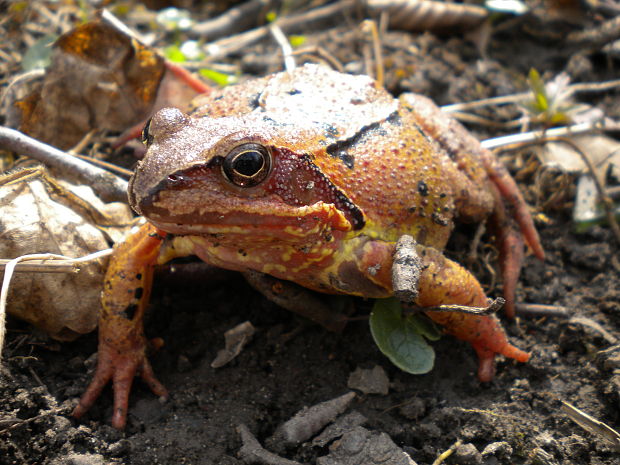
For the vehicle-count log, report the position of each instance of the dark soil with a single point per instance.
(515, 419)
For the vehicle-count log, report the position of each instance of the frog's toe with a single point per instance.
(486, 363)
(511, 261)
(486, 358)
(122, 380)
(101, 378)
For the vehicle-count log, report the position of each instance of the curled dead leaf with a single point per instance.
(33, 221)
(100, 78)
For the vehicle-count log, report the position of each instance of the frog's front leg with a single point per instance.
(443, 282)
(122, 344)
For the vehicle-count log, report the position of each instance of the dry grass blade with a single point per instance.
(592, 425)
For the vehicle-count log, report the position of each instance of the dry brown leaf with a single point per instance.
(100, 79)
(63, 304)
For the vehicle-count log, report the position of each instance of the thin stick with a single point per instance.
(527, 137)
(537, 310)
(285, 45)
(223, 47)
(493, 307)
(521, 96)
(444, 455)
(42, 267)
(108, 186)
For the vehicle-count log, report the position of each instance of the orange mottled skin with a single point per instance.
(332, 171)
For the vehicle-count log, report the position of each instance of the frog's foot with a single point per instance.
(486, 359)
(442, 282)
(509, 192)
(511, 254)
(120, 368)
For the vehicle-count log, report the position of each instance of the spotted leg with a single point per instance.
(122, 345)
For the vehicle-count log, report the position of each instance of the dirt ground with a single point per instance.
(515, 419)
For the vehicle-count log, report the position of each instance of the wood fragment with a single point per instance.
(537, 310)
(252, 452)
(406, 270)
(426, 15)
(592, 425)
(308, 421)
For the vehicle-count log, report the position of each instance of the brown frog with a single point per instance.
(309, 176)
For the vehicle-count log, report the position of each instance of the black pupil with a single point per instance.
(248, 163)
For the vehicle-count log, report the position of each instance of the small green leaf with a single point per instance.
(174, 54)
(398, 338)
(296, 41)
(39, 53)
(221, 79)
(425, 327)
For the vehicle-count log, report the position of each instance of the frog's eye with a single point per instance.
(247, 165)
(147, 138)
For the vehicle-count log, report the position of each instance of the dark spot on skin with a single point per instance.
(422, 188)
(242, 252)
(138, 293)
(343, 155)
(254, 101)
(340, 149)
(129, 312)
(395, 119)
(332, 131)
(438, 219)
(294, 92)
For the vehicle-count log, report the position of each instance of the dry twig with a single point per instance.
(108, 186)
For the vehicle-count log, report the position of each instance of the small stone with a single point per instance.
(373, 381)
(119, 448)
(361, 446)
(413, 409)
(467, 454)
(498, 449)
(80, 459)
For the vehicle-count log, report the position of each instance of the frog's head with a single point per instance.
(238, 174)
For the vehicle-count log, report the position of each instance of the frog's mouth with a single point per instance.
(320, 220)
